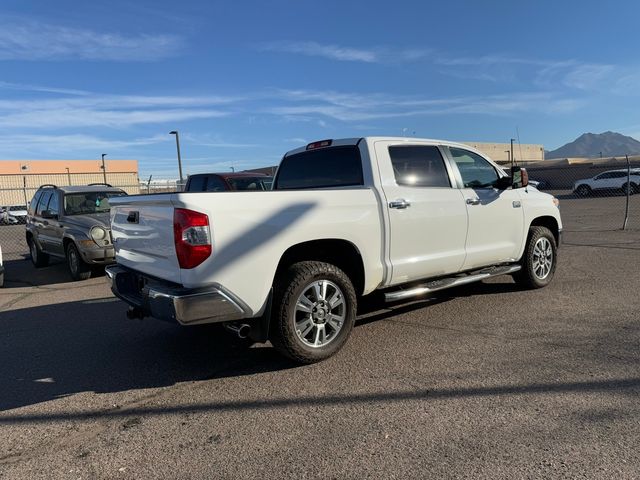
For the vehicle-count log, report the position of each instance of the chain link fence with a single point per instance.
(16, 192)
(594, 196)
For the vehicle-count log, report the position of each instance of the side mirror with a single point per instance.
(48, 214)
(503, 183)
(519, 177)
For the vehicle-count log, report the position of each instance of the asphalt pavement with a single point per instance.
(483, 381)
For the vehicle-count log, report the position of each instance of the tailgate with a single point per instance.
(142, 230)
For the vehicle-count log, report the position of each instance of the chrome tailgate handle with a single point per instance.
(401, 203)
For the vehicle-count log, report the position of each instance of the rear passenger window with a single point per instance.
(419, 166)
(44, 201)
(323, 168)
(34, 202)
(53, 204)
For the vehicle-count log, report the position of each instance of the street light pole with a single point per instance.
(68, 175)
(175, 132)
(104, 169)
(508, 155)
(512, 151)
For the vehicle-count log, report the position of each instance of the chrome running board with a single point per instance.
(444, 283)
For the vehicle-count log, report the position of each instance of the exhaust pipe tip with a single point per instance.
(242, 330)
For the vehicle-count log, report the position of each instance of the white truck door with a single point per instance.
(496, 217)
(427, 215)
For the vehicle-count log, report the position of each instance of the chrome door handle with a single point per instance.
(401, 203)
(473, 201)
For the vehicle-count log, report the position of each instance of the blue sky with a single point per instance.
(245, 81)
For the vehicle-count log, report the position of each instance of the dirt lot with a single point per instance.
(485, 381)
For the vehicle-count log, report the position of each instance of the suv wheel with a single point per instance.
(315, 309)
(539, 259)
(583, 190)
(78, 269)
(628, 189)
(38, 257)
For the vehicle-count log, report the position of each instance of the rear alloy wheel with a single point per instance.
(539, 259)
(314, 313)
(78, 269)
(583, 190)
(38, 257)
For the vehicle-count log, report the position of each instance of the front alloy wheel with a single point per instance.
(539, 259)
(78, 269)
(542, 258)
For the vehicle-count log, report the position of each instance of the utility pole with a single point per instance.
(628, 192)
(512, 140)
(104, 169)
(175, 132)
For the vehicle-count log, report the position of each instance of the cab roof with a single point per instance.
(81, 188)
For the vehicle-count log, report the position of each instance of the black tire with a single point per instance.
(535, 274)
(630, 189)
(78, 269)
(38, 257)
(1, 279)
(583, 190)
(337, 300)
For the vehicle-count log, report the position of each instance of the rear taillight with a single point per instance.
(191, 236)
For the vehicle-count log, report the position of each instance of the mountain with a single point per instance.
(611, 144)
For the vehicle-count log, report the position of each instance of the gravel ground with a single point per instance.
(484, 381)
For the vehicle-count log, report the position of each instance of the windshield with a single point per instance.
(88, 202)
(250, 183)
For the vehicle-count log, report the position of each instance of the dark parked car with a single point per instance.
(220, 182)
(72, 223)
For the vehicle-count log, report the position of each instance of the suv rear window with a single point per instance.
(322, 168)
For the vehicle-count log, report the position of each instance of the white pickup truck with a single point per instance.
(345, 218)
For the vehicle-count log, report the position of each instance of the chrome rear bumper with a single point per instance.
(171, 302)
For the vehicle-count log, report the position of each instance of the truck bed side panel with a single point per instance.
(250, 232)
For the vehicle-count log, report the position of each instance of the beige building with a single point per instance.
(19, 179)
(501, 152)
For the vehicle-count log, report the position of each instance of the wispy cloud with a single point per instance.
(347, 54)
(40, 88)
(497, 68)
(574, 74)
(25, 39)
(354, 107)
(72, 144)
(114, 111)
